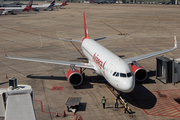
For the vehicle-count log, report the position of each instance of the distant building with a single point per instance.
(102, 1)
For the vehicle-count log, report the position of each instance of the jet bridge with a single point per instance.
(167, 70)
(164, 69)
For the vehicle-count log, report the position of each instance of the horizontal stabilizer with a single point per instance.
(100, 38)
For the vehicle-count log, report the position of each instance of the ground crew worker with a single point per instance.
(116, 103)
(103, 101)
(126, 107)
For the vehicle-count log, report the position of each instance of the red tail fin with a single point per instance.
(85, 27)
(64, 3)
(29, 6)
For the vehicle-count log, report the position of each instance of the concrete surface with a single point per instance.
(150, 27)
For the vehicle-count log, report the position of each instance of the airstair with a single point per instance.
(119, 97)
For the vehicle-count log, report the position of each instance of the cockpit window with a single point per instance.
(114, 73)
(122, 75)
(129, 74)
(117, 74)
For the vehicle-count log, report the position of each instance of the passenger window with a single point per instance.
(117, 74)
(114, 73)
(122, 75)
(129, 74)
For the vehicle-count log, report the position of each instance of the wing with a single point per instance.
(141, 57)
(5, 10)
(81, 41)
(76, 64)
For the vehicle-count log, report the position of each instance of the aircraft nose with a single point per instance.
(128, 85)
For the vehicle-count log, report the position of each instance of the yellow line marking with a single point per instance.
(78, 50)
(119, 33)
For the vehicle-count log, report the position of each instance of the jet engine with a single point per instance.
(36, 9)
(139, 72)
(74, 77)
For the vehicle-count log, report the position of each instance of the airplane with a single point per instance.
(44, 6)
(120, 73)
(61, 4)
(12, 10)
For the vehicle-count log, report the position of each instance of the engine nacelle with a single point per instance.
(36, 9)
(74, 77)
(139, 73)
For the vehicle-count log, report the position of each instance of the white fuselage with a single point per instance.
(41, 6)
(114, 69)
(14, 9)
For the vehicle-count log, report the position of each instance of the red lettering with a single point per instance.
(98, 61)
(104, 64)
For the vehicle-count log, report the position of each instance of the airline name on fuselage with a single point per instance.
(99, 62)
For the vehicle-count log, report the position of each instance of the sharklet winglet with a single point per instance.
(175, 42)
(4, 51)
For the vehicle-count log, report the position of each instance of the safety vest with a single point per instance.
(116, 100)
(126, 105)
(103, 100)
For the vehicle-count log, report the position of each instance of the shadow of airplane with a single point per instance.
(90, 79)
(3, 83)
(148, 80)
(121, 56)
(82, 58)
(47, 77)
(85, 84)
(140, 96)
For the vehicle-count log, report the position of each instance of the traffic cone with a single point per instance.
(64, 115)
(75, 117)
(57, 114)
(6, 76)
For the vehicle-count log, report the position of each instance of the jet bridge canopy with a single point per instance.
(20, 107)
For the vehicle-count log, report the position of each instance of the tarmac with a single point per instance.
(150, 28)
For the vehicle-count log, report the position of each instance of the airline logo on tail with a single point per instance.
(52, 3)
(29, 6)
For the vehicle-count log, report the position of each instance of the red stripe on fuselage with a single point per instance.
(2, 8)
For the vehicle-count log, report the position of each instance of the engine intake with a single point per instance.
(139, 72)
(74, 77)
